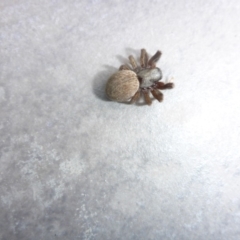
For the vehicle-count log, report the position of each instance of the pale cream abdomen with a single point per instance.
(122, 85)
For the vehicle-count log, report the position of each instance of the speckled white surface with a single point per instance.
(76, 166)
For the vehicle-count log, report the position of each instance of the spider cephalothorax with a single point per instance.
(130, 82)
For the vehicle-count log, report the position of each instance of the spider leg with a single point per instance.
(143, 58)
(152, 61)
(136, 97)
(124, 67)
(147, 98)
(161, 85)
(157, 94)
(133, 62)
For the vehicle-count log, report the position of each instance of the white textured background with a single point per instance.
(76, 166)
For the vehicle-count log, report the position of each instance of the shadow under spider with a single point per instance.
(100, 80)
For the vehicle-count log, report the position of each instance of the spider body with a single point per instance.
(129, 83)
(148, 77)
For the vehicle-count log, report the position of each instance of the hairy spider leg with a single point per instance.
(161, 85)
(133, 62)
(157, 94)
(144, 58)
(124, 67)
(147, 98)
(136, 97)
(152, 61)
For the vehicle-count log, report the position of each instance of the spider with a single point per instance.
(130, 82)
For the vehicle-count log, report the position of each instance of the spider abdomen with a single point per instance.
(148, 76)
(122, 85)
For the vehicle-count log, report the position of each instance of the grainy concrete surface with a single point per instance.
(76, 166)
